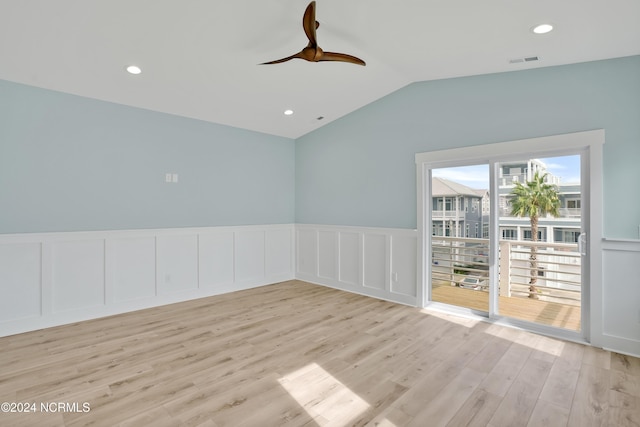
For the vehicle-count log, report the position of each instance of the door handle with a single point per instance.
(582, 244)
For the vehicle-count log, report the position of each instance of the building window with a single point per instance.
(573, 204)
(527, 235)
(563, 235)
(509, 234)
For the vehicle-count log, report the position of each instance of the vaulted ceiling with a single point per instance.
(200, 58)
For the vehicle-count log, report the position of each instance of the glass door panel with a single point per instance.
(460, 249)
(540, 227)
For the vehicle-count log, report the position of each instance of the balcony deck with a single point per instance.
(546, 313)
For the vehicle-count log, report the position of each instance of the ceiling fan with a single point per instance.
(313, 52)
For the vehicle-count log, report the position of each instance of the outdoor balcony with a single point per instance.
(557, 301)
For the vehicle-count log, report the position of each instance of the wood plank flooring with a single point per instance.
(296, 354)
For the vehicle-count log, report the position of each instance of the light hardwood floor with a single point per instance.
(297, 354)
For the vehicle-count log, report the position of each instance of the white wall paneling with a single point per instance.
(134, 268)
(327, 254)
(20, 284)
(216, 259)
(177, 266)
(350, 251)
(78, 274)
(621, 296)
(377, 262)
(48, 279)
(307, 252)
(404, 262)
(249, 255)
(376, 258)
(279, 252)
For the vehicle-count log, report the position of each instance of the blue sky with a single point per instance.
(477, 176)
(566, 167)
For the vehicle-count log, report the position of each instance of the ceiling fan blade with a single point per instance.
(309, 23)
(288, 58)
(343, 57)
(312, 52)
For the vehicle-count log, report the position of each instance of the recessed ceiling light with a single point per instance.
(542, 28)
(288, 112)
(134, 69)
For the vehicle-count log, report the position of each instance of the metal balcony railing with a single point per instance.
(447, 215)
(558, 273)
(507, 180)
(564, 213)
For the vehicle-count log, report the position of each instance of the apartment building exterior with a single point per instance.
(563, 229)
(461, 211)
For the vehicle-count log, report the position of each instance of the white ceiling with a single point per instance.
(200, 58)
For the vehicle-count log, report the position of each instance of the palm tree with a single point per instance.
(534, 199)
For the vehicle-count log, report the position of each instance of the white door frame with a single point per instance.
(589, 145)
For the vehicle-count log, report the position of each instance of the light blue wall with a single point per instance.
(359, 170)
(69, 163)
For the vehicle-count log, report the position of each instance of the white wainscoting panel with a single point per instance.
(404, 265)
(621, 296)
(216, 259)
(20, 287)
(327, 254)
(134, 268)
(249, 256)
(49, 279)
(377, 262)
(349, 261)
(78, 274)
(307, 252)
(177, 267)
(280, 255)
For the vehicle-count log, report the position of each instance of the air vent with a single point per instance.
(525, 59)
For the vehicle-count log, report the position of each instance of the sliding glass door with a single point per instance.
(504, 230)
